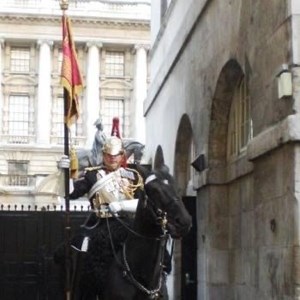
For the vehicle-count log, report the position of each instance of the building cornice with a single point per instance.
(56, 20)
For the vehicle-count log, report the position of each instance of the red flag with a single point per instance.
(70, 74)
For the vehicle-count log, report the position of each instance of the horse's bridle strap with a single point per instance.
(150, 178)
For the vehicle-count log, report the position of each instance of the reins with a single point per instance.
(162, 220)
(153, 294)
(160, 238)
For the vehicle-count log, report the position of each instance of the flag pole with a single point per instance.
(72, 82)
(64, 6)
(67, 207)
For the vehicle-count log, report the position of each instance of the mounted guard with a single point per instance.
(125, 203)
(111, 188)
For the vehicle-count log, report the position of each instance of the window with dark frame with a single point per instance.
(57, 129)
(113, 107)
(114, 63)
(18, 118)
(59, 61)
(240, 123)
(20, 60)
(18, 173)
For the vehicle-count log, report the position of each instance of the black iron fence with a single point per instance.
(28, 240)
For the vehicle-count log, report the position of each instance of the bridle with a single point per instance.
(153, 294)
(161, 218)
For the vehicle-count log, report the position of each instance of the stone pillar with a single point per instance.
(1, 91)
(44, 93)
(92, 90)
(140, 92)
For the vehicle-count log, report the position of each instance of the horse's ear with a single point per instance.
(164, 168)
(143, 171)
(159, 160)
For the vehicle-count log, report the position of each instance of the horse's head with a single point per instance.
(161, 190)
(134, 148)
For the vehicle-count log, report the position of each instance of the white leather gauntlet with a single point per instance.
(125, 205)
(64, 162)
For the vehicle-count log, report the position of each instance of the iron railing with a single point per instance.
(47, 207)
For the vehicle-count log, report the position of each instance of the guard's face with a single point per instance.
(112, 162)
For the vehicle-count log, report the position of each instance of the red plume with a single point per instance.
(115, 131)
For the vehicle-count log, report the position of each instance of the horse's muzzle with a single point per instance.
(179, 229)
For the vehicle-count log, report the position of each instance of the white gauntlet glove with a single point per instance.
(114, 207)
(64, 162)
(125, 205)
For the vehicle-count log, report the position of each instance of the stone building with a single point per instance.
(112, 39)
(224, 93)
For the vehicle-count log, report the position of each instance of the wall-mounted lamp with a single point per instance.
(199, 163)
(284, 82)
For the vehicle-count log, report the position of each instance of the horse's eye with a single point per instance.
(166, 181)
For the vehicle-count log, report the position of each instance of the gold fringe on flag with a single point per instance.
(73, 163)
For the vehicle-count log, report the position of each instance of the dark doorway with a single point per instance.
(27, 244)
(189, 255)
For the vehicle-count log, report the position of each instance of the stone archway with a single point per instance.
(221, 102)
(219, 219)
(183, 159)
(182, 172)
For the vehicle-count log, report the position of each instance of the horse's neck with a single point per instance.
(145, 258)
(145, 222)
(146, 251)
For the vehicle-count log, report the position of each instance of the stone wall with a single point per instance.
(248, 236)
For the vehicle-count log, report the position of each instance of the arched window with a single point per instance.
(240, 123)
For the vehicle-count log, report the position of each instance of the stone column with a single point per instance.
(92, 90)
(1, 91)
(140, 92)
(44, 93)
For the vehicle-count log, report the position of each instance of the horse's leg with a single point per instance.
(76, 291)
(164, 291)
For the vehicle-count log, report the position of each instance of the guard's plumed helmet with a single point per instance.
(113, 146)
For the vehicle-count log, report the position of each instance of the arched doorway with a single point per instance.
(185, 279)
(227, 186)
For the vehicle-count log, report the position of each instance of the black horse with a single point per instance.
(137, 270)
(125, 257)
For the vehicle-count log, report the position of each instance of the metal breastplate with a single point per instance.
(109, 188)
